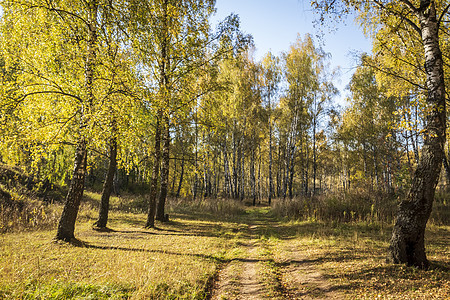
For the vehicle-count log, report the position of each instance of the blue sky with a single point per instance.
(275, 24)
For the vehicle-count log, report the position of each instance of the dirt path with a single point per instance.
(240, 278)
(251, 286)
(299, 277)
(225, 286)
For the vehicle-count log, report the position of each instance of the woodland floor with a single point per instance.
(248, 254)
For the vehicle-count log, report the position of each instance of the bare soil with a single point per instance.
(241, 279)
(299, 279)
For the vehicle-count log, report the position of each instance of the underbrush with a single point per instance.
(355, 206)
(25, 202)
(217, 207)
(28, 215)
(441, 208)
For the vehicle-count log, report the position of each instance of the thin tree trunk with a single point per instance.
(227, 186)
(181, 178)
(174, 177)
(314, 157)
(242, 165)
(253, 176)
(259, 174)
(306, 168)
(408, 156)
(270, 159)
(280, 171)
(107, 185)
(235, 166)
(407, 244)
(447, 169)
(375, 166)
(164, 91)
(155, 174)
(286, 170)
(160, 212)
(291, 172)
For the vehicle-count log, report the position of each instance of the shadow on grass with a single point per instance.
(400, 278)
(218, 259)
(255, 223)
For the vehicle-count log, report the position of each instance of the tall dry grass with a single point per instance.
(29, 215)
(355, 206)
(352, 206)
(218, 206)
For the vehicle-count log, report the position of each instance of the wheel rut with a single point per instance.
(298, 277)
(240, 278)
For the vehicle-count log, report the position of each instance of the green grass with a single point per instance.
(181, 258)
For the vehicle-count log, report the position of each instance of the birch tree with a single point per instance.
(424, 20)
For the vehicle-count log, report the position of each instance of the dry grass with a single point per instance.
(31, 215)
(177, 260)
(354, 206)
(180, 259)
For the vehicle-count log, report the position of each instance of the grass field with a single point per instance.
(181, 259)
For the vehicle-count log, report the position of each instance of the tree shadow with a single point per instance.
(83, 244)
(388, 277)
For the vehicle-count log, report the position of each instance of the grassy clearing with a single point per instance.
(177, 260)
(180, 259)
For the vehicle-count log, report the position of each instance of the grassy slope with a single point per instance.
(181, 258)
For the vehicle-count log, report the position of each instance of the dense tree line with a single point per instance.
(149, 91)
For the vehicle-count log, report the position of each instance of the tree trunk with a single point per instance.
(407, 242)
(227, 186)
(174, 177)
(66, 225)
(259, 193)
(447, 169)
(107, 185)
(306, 168)
(291, 172)
(375, 166)
(181, 178)
(279, 170)
(160, 212)
(314, 156)
(195, 185)
(286, 170)
(270, 157)
(155, 174)
(163, 124)
(242, 165)
(253, 176)
(234, 189)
